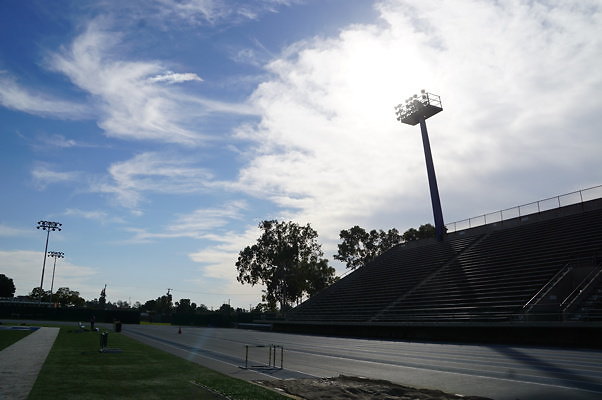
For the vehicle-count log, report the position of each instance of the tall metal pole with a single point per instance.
(52, 284)
(55, 254)
(415, 111)
(44, 266)
(430, 168)
(46, 226)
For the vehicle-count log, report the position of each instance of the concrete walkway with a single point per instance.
(21, 362)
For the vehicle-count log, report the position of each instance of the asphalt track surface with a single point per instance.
(495, 371)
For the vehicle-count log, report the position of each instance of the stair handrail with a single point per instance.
(547, 287)
(582, 289)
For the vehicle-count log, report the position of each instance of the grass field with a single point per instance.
(76, 369)
(10, 336)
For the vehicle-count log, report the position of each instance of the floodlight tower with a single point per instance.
(55, 254)
(46, 226)
(416, 110)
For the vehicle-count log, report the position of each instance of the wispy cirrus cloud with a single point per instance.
(136, 99)
(18, 97)
(152, 172)
(202, 223)
(173, 77)
(9, 231)
(45, 174)
(45, 141)
(201, 12)
(95, 215)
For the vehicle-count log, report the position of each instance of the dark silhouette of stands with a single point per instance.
(544, 266)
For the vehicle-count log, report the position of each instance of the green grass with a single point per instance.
(10, 336)
(75, 369)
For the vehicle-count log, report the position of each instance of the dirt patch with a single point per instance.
(355, 388)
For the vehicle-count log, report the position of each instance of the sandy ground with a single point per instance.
(354, 388)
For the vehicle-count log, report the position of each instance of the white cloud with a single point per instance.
(328, 147)
(202, 12)
(173, 77)
(202, 223)
(24, 267)
(219, 260)
(206, 220)
(9, 231)
(152, 173)
(95, 215)
(43, 175)
(43, 142)
(133, 102)
(17, 97)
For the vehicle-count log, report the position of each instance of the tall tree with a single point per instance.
(102, 300)
(7, 286)
(185, 306)
(37, 294)
(67, 297)
(287, 259)
(423, 232)
(359, 247)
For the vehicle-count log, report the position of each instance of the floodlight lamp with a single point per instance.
(418, 107)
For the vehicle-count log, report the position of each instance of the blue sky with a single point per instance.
(161, 132)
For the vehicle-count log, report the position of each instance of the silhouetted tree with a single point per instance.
(423, 232)
(37, 293)
(359, 247)
(7, 286)
(287, 259)
(102, 300)
(185, 306)
(66, 297)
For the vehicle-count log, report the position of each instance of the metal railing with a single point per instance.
(543, 292)
(582, 290)
(535, 207)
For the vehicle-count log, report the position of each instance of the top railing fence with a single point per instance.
(551, 203)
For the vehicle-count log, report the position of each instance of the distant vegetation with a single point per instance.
(286, 258)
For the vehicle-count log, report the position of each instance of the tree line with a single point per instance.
(286, 258)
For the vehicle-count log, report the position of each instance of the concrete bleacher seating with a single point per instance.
(485, 274)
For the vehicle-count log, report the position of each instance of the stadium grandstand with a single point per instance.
(540, 269)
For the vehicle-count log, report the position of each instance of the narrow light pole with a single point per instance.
(415, 111)
(55, 254)
(46, 226)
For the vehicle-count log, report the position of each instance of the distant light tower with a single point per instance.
(55, 254)
(415, 111)
(46, 226)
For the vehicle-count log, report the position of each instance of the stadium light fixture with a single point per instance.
(46, 226)
(55, 254)
(416, 110)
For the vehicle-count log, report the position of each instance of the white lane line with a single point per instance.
(447, 372)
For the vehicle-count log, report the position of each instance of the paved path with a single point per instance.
(21, 362)
(499, 372)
